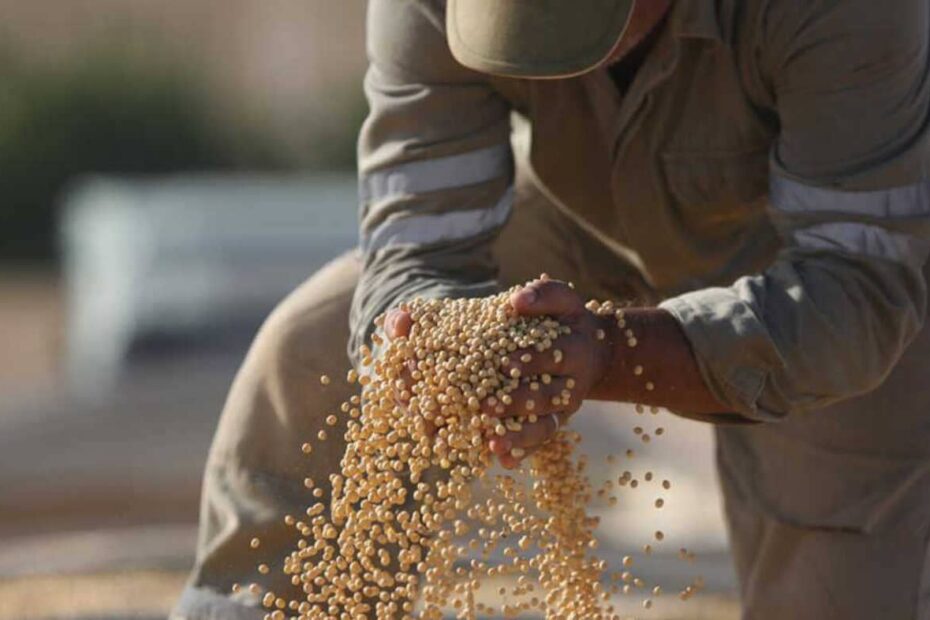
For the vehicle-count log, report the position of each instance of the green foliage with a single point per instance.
(102, 113)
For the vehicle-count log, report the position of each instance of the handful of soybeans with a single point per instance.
(416, 521)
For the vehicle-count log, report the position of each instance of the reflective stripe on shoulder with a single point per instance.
(790, 196)
(864, 239)
(431, 229)
(430, 175)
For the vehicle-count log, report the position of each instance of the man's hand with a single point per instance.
(594, 362)
(397, 324)
(555, 382)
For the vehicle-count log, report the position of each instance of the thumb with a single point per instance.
(397, 323)
(546, 297)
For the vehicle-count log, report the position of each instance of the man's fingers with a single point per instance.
(558, 360)
(404, 384)
(509, 461)
(531, 434)
(530, 362)
(546, 297)
(534, 434)
(397, 323)
(535, 398)
(500, 445)
(517, 445)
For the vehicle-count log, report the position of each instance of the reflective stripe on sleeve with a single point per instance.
(865, 239)
(431, 229)
(431, 175)
(789, 196)
(904, 209)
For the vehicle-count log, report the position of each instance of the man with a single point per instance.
(760, 167)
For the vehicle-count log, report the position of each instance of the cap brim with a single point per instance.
(535, 38)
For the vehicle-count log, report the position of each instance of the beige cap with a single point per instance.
(535, 38)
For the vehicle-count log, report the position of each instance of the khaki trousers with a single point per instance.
(255, 470)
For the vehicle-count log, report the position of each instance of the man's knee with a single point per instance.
(256, 467)
(277, 401)
(309, 329)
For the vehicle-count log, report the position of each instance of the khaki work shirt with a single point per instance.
(766, 174)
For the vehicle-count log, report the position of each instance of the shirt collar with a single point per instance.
(696, 19)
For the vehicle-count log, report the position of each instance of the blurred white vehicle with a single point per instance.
(189, 260)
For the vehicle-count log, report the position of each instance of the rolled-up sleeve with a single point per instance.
(850, 193)
(435, 167)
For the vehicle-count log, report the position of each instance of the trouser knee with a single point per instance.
(258, 468)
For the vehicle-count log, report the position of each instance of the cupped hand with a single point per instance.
(563, 375)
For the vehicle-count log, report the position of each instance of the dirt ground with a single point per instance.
(144, 594)
(147, 595)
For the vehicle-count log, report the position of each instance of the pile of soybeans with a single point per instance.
(417, 519)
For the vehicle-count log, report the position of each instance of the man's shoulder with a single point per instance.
(406, 40)
(405, 18)
(410, 36)
(835, 31)
(798, 17)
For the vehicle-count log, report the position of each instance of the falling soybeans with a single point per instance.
(416, 520)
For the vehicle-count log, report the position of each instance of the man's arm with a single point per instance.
(851, 196)
(655, 366)
(435, 167)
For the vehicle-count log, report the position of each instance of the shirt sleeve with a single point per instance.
(850, 194)
(435, 167)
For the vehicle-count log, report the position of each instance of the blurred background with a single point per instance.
(168, 171)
